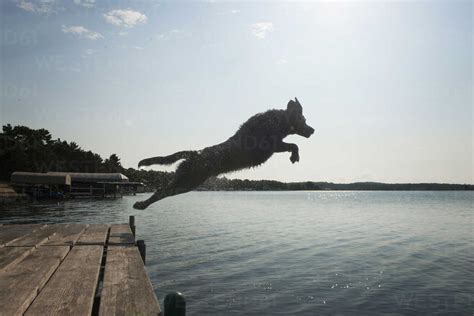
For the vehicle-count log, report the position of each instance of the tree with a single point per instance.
(26, 149)
(113, 164)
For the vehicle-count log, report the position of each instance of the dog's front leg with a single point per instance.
(285, 147)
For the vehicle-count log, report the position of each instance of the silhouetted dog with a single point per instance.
(254, 142)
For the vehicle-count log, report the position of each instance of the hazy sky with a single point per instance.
(387, 85)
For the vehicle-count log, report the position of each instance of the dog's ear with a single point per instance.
(291, 103)
(294, 107)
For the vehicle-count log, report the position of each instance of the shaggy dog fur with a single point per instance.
(255, 141)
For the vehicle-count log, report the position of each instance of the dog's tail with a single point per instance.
(166, 160)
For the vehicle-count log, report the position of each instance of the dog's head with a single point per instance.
(297, 121)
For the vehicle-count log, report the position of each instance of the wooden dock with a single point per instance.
(73, 269)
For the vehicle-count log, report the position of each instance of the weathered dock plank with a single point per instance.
(121, 234)
(36, 237)
(9, 256)
(21, 283)
(94, 235)
(127, 290)
(55, 269)
(66, 235)
(10, 233)
(71, 289)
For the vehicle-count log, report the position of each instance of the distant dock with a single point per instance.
(74, 269)
(60, 185)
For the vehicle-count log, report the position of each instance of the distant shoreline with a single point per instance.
(331, 190)
(328, 190)
(224, 184)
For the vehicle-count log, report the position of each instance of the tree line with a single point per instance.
(35, 150)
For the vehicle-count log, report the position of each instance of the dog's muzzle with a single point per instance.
(307, 131)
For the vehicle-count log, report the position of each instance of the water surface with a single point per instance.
(297, 252)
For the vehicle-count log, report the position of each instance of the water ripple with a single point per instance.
(307, 253)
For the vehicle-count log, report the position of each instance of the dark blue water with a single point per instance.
(306, 253)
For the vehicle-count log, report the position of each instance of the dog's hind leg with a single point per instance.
(158, 195)
(188, 176)
(170, 190)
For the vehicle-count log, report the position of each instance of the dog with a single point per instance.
(254, 143)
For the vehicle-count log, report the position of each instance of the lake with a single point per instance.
(306, 253)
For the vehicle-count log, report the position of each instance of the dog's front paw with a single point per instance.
(140, 205)
(294, 158)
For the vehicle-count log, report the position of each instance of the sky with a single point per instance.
(387, 85)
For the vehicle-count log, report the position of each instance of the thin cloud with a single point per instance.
(82, 32)
(173, 34)
(228, 12)
(38, 6)
(88, 52)
(125, 18)
(261, 29)
(85, 3)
